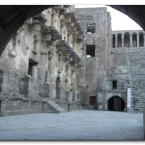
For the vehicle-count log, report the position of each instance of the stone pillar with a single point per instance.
(115, 40)
(128, 99)
(137, 40)
(144, 40)
(34, 72)
(122, 40)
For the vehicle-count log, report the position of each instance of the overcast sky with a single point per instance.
(119, 20)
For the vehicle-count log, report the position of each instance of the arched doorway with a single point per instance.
(126, 40)
(134, 40)
(119, 40)
(141, 39)
(116, 103)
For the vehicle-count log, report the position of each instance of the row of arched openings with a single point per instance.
(128, 40)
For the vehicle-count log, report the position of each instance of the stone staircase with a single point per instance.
(54, 105)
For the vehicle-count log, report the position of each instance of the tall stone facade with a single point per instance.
(40, 66)
(96, 24)
(65, 59)
(114, 64)
(127, 70)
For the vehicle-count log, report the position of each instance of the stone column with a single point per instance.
(130, 40)
(122, 40)
(128, 99)
(137, 40)
(115, 40)
(34, 72)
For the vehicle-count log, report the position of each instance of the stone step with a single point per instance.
(54, 105)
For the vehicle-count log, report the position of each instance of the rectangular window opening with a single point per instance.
(92, 100)
(91, 27)
(32, 64)
(114, 84)
(90, 50)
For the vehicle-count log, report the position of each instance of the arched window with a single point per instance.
(126, 40)
(134, 40)
(119, 40)
(141, 39)
(113, 40)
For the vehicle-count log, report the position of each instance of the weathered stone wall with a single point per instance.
(128, 70)
(51, 45)
(95, 67)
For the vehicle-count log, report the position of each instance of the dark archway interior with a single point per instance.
(12, 18)
(134, 40)
(141, 40)
(119, 41)
(116, 103)
(126, 40)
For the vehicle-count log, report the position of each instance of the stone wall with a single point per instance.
(41, 64)
(128, 70)
(95, 67)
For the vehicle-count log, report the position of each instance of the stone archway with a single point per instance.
(116, 103)
(12, 18)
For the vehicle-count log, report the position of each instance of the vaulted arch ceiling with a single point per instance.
(12, 17)
(135, 12)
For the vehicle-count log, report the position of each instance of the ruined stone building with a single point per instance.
(127, 72)
(40, 66)
(65, 59)
(114, 64)
(96, 24)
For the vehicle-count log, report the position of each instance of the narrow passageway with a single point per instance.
(75, 125)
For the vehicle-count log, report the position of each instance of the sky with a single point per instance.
(119, 20)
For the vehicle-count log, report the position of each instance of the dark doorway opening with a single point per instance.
(93, 100)
(134, 40)
(116, 103)
(68, 107)
(90, 50)
(91, 27)
(114, 84)
(32, 64)
(126, 40)
(113, 40)
(58, 87)
(119, 40)
(141, 40)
